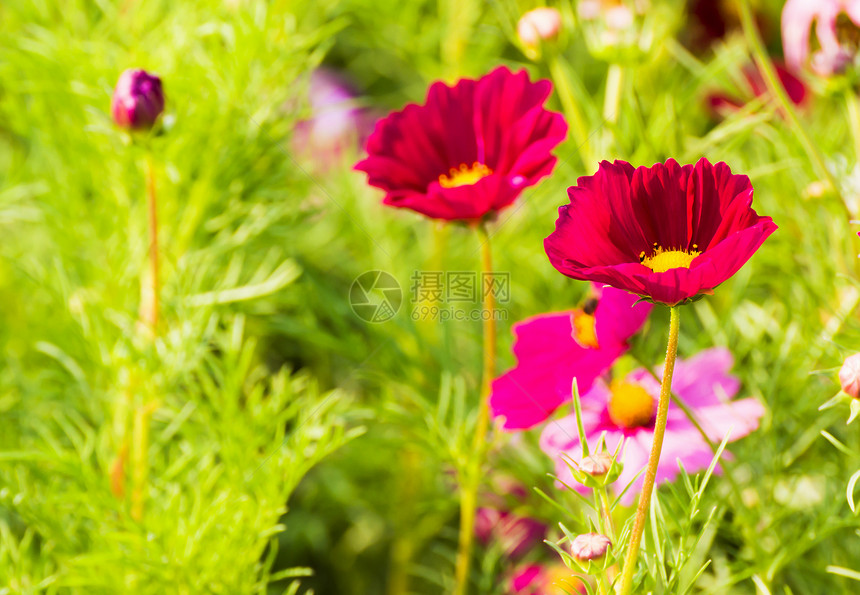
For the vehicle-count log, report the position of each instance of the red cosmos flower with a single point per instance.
(469, 150)
(667, 233)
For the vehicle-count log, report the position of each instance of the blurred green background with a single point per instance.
(288, 436)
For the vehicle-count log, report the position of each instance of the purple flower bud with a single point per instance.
(589, 547)
(137, 100)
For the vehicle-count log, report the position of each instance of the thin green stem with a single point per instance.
(853, 105)
(150, 308)
(612, 97)
(569, 106)
(472, 475)
(654, 457)
(765, 66)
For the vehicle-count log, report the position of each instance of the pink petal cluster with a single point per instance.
(469, 150)
(703, 382)
(549, 357)
(798, 16)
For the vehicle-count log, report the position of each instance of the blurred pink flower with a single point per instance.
(626, 408)
(337, 124)
(551, 349)
(722, 104)
(516, 534)
(798, 17)
(849, 375)
(538, 579)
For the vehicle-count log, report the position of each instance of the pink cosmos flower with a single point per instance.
(626, 409)
(469, 150)
(797, 19)
(338, 124)
(553, 349)
(516, 534)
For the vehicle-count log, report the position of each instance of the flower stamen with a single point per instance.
(663, 260)
(630, 405)
(583, 329)
(464, 175)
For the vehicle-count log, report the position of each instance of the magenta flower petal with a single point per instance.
(548, 360)
(619, 318)
(469, 150)
(667, 233)
(549, 356)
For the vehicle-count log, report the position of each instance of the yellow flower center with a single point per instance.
(630, 405)
(464, 175)
(663, 260)
(559, 579)
(583, 329)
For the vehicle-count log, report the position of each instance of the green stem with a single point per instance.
(569, 106)
(472, 475)
(151, 309)
(612, 97)
(654, 457)
(765, 66)
(851, 102)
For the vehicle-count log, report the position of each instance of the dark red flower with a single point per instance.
(722, 104)
(469, 150)
(667, 233)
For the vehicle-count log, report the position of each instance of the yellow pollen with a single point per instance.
(663, 260)
(583, 329)
(558, 580)
(464, 175)
(630, 405)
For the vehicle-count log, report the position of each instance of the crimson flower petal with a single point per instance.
(667, 233)
(495, 129)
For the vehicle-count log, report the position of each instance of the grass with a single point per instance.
(289, 437)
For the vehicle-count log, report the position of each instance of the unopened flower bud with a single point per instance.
(597, 470)
(138, 100)
(596, 465)
(540, 24)
(849, 375)
(589, 550)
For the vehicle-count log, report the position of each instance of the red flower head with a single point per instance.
(469, 150)
(668, 233)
